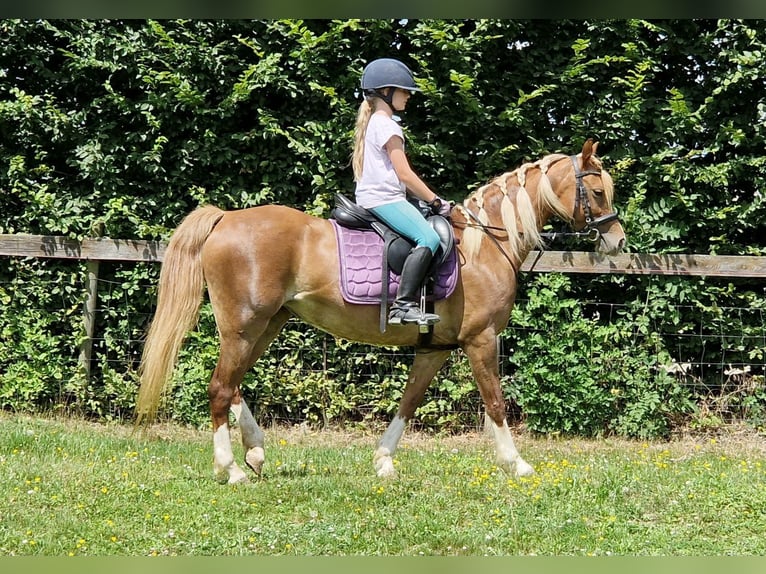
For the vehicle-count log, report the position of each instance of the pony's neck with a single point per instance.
(519, 202)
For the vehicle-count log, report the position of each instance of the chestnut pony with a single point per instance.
(266, 264)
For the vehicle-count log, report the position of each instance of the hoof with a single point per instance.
(231, 475)
(385, 467)
(238, 478)
(524, 469)
(254, 459)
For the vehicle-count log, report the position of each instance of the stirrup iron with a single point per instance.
(409, 312)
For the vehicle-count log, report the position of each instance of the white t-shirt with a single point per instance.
(379, 183)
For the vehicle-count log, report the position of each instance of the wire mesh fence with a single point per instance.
(723, 369)
(718, 354)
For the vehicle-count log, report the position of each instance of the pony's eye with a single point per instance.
(597, 191)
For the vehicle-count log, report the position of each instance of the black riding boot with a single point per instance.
(406, 306)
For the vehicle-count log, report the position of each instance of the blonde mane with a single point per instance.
(518, 214)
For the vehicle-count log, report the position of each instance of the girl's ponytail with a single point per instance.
(362, 119)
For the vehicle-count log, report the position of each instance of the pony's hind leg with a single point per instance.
(252, 435)
(223, 393)
(424, 367)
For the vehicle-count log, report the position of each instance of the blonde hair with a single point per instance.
(360, 129)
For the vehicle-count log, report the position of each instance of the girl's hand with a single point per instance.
(446, 208)
(441, 207)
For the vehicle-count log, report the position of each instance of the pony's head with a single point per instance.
(574, 188)
(592, 197)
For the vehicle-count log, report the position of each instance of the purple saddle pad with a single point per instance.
(361, 259)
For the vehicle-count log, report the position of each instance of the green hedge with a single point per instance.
(120, 128)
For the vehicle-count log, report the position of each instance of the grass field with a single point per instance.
(72, 488)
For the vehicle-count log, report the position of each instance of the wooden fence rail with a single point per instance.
(107, 249)
(98, 249)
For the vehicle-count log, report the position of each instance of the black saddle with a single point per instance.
(396, 248)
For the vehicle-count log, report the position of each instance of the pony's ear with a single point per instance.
(588, 150)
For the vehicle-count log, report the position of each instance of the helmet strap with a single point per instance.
(388, 98)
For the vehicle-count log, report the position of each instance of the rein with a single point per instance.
(486, 229)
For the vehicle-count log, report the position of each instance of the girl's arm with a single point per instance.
(416, 186)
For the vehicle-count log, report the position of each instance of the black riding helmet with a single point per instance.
(387, 73)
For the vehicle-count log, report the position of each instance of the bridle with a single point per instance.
(590, 231)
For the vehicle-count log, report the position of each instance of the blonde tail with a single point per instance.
(179, 297)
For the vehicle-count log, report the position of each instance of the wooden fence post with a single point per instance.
(89, 317)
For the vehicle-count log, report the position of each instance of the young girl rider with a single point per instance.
(383, 178)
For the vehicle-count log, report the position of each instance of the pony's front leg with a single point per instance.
(423, 369)
(508, 458)
(482, 354)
